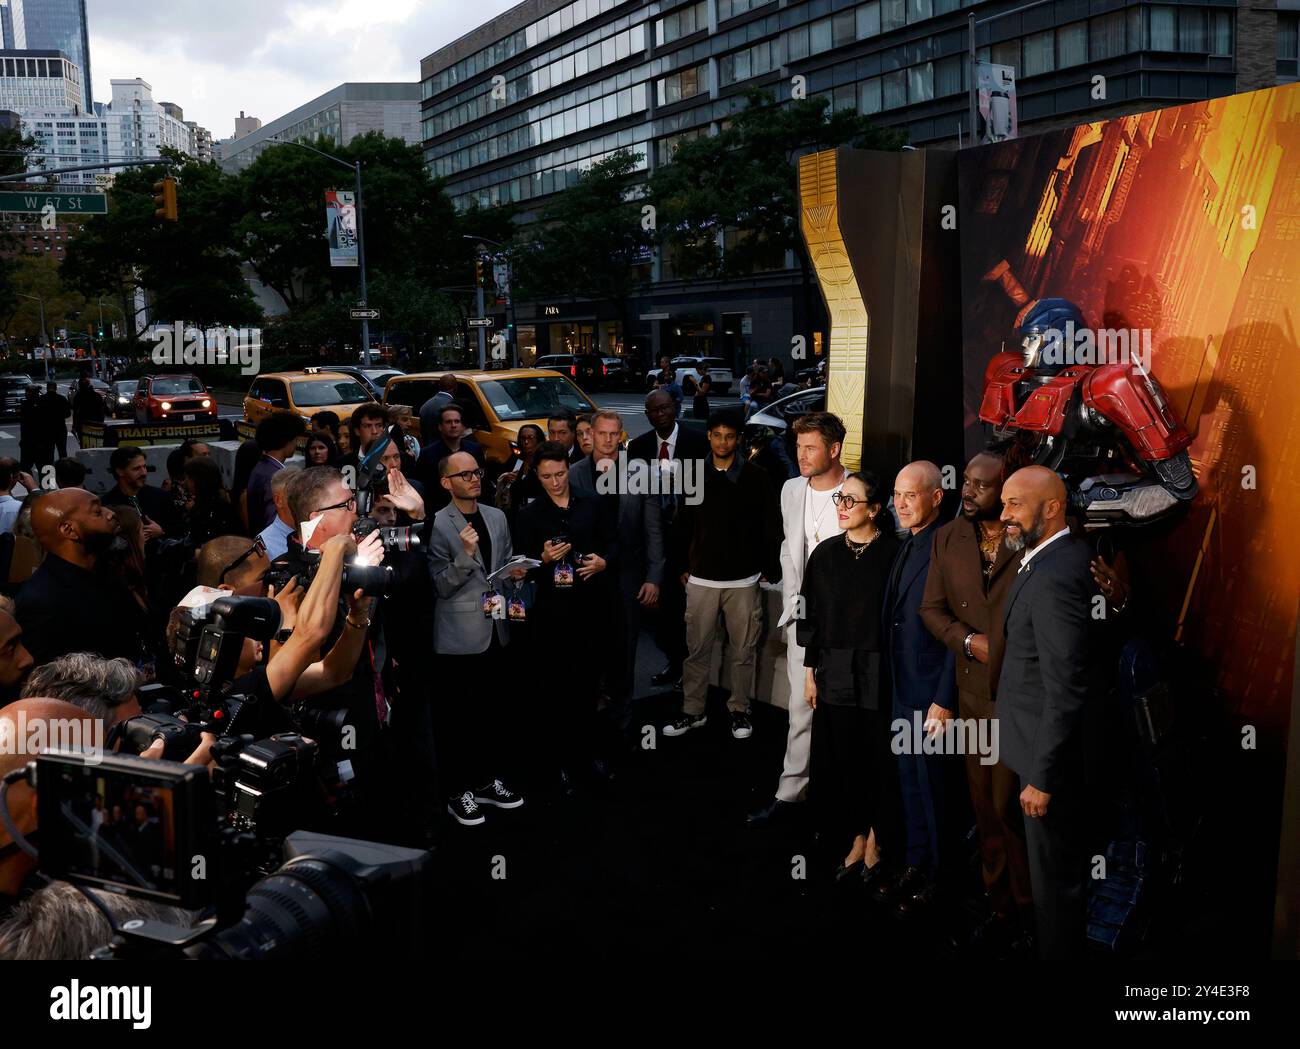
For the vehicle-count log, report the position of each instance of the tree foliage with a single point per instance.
(745, 179)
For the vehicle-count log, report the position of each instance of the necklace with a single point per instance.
(989, 548)
(817, 517)
(857, 549)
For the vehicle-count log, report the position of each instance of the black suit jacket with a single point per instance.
(690, 445)
(640, 530)
(1043, 686)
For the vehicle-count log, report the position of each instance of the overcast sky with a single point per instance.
(266, 57)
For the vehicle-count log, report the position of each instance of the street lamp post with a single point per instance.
(355, 166)
(44, 341)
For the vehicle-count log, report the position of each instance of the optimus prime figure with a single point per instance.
(1106, 428)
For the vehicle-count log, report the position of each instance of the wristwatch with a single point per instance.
(965, 645)
(283, 634)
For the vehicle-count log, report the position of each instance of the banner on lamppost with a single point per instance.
(501, 278)
(996, 89)
(341, 226)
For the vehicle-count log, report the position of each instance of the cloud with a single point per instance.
(214, 58)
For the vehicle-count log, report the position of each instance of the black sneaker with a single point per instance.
(740, 725)
(667, 676)
(499, 795)
(465, 811)
(684, 724)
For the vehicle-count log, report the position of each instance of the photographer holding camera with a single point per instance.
(323, 509)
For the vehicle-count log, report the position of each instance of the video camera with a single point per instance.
(153, 830)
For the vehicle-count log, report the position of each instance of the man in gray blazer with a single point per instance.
(641, 554)
(808, 517)
(467, 542)
(1042, 693)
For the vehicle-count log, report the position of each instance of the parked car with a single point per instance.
(13, 389)
(306, 392)
(179, 398)
(589, 370)
(495, 404)
(122, 397)
(768, 438)
(692, 368)
(373, 379)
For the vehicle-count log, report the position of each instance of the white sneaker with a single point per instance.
(684, 724)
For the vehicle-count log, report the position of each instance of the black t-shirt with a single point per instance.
(266, 716)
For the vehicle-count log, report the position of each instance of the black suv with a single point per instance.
(13, 388)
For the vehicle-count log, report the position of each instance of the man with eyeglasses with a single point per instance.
(275, 536)
(469, 541)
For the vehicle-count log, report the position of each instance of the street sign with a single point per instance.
(480, 322)
(33, 202)
(364, 315)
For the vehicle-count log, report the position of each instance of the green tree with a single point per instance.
(188, 270)
(15, 151)
(38, 275)
(591, 241)
(744, 181)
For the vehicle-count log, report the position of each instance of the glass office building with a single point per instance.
(61, 25)
(516, 109)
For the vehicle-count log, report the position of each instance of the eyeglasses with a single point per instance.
(848, 502)
(469, 475)
(350, 503)
(258, 547)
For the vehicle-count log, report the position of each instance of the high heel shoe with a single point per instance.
(843, 873)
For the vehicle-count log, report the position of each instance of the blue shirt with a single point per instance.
(276, 538)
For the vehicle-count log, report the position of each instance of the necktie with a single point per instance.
(666, 500)
(663, 451)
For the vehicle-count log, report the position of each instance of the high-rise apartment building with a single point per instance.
(60, 25)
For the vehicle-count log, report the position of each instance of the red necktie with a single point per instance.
(663, 450)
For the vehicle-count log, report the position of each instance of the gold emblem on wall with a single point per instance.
(819, 222)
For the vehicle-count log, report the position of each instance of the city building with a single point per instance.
(60, 25)
(201, 138)
(68, 139)
(32, 79)
(138, 127)
(516, 109)
(13, 29)
(340, 114)
(245, 125)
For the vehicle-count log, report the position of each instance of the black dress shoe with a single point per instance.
(916, 902)
(667, 676)
(891, 891)
(851, 874)
(774, 812)
(873, 876)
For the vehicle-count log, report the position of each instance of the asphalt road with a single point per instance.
(630, 406)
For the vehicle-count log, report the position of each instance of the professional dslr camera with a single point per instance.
(372, 485)
(153, 830)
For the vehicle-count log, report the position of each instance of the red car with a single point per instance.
(173, 398)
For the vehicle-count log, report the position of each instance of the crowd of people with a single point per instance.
(889, 612)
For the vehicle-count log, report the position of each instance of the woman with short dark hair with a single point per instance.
(842, 634)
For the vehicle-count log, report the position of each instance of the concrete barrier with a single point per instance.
(99, 478)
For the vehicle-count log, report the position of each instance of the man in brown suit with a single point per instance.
(971, 571)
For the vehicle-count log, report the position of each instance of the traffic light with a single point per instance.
(478, 272)
(164, 198)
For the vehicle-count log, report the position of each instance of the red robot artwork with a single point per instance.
(1097, 417)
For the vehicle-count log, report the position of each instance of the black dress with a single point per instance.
(852, 770)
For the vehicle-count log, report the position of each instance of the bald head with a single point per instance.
(1033, 506)
(216, 555)
(918, 493)
(450, 472)
(72, 523)
(35, 723)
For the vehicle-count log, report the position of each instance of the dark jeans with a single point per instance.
(670, 622)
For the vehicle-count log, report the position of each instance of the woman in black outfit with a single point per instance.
(210, 511)
(575, 538)
(843, 591)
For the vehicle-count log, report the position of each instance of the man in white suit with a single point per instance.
(808, 518)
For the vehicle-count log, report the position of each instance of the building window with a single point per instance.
(1164, 28)
(820, 36)
(1106, 36)
(868, 19)
(920, 83)
(917, 10)
(682, 23)
(843, 29)
(869, 96)
(1221, 33)
(948, 75)
(1040, 53)
(894, 89)
(892, 14)
(686, 84)
(1288, 44)
(796, 43)
(1191, 31)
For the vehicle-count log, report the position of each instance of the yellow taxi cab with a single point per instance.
(304, 393)
(495, 404)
